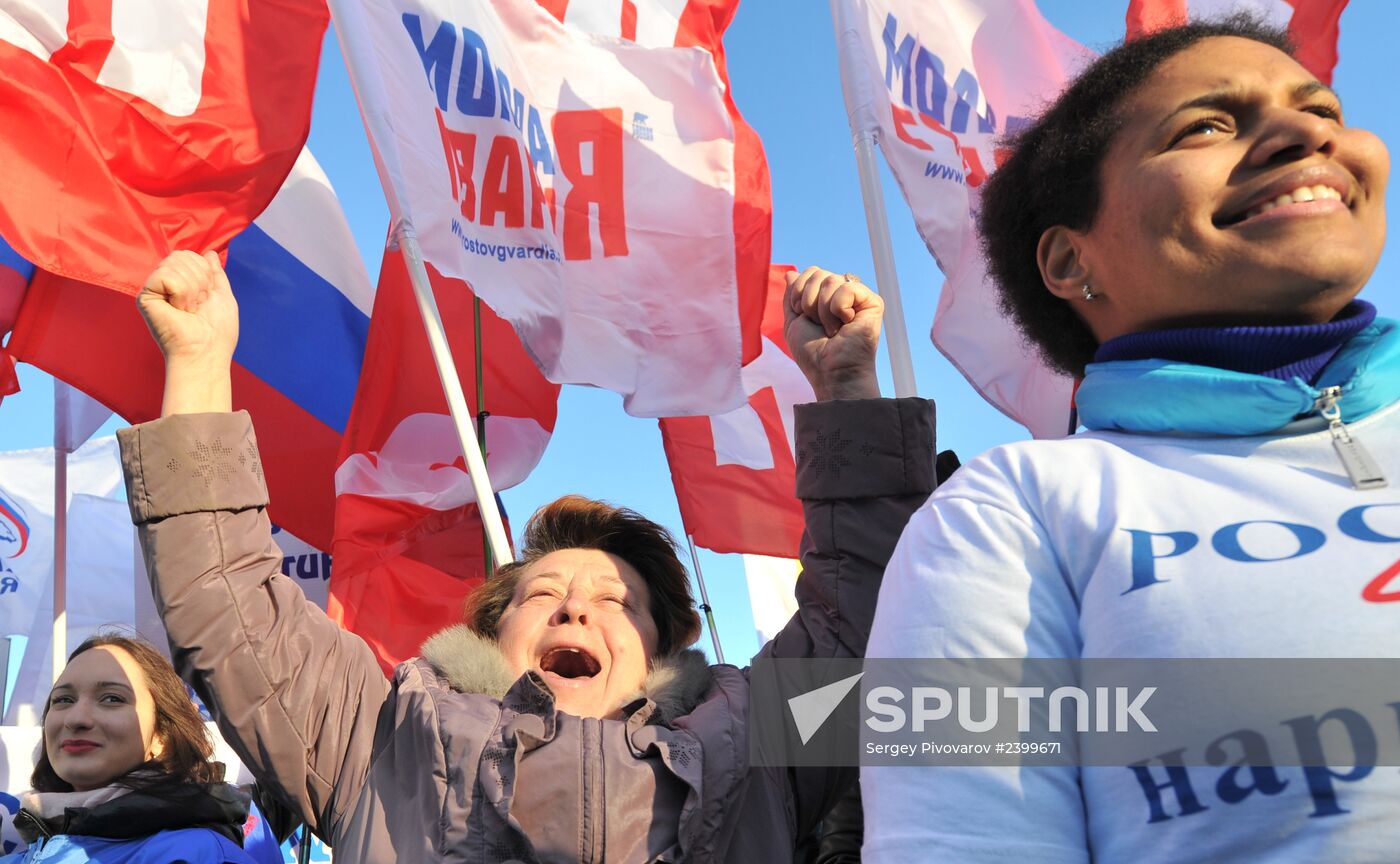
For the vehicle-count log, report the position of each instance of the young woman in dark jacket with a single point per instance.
(124, 773)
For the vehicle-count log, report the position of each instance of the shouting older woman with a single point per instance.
(1187, 227)
(567, 719)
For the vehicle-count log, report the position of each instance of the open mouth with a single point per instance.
(570, 663)
(1299, 195)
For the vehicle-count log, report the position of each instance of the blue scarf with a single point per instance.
(1283, 352)
(1150, 395)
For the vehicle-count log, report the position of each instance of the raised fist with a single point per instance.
(190, 310)
(832, 325)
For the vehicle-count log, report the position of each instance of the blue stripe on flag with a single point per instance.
(297, 332)
(12, 259)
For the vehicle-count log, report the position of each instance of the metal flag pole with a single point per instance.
(355, 43)
(865, 137)
(60, 561)
(705, 599)
(498, 543)
(481, 412)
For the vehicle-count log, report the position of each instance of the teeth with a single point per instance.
(1302, 193)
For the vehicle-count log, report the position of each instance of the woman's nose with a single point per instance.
(573, 609)
(1290, 135)
(78, 716)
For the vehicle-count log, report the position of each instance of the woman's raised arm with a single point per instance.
(297, 697)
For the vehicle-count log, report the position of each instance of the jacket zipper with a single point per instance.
(594, 811)
(1364, 471)
(37, 825)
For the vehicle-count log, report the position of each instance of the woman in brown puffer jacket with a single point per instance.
(567, 719)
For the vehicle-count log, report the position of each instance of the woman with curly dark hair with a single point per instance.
(1187, 228)
(125, 771)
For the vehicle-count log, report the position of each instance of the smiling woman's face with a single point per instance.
(582, 619)
(1232, 194)
(101, 719)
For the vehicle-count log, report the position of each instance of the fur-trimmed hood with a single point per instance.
(473, 664)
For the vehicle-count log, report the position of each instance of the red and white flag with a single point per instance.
(585, 186)
(134, 128)
(701, 24)
(938, 82)
(1312, 24)
(735, 473)
(408, 539)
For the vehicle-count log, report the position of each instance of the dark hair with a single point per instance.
(1052, 178)
(186, 752)
(575, 522)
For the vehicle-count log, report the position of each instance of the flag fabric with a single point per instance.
(1313, 25)
(772, 592)
(132, 129)
(735, 473)
(408, 545)
(701, 24)
(584, 186)
(27, 552)
(937, 83)
(15, 273)
(76, 416)
(304, 300)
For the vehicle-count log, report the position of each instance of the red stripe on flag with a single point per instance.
(395, 591)
(629, 21)
(1315, 28)
(1145, 16)
(557, 8)
(702, 24)
(299, 456)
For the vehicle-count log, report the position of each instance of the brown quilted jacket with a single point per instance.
(452, 760)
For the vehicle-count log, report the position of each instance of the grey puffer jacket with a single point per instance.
(454, 759)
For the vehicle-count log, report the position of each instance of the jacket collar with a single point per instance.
(470, 663)
(1149, 396)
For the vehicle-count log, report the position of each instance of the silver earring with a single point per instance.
(1089, 293)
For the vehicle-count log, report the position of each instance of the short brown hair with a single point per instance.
(575, 522)
(185, 757)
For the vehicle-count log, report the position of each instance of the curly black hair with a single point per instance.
(1052, 178)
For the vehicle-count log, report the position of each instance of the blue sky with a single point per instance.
(783, 70)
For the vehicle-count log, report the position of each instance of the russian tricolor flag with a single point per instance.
(304, 300)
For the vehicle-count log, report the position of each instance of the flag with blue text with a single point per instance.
(937, 83)
(584, 186)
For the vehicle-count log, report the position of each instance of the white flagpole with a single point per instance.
(877, 226)
(350, 30)
(60, 532)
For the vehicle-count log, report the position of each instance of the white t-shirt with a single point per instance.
(1118, 545)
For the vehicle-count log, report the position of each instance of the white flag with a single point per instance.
(772, 583)
(582, 184)
(939, 81)
(27, 548)
(76, 416)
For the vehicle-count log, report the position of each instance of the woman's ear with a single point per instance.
(1062, 267)
(156, 748)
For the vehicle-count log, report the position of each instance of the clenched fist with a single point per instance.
(190, 310)
(833, 328)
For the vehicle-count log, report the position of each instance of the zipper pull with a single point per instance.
(1363, 470)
